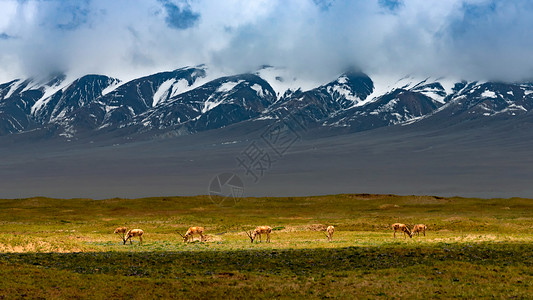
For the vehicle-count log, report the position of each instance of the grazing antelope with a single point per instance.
(258, 231)
(122, 230)
(418, 228)
(132, 233)
(403, 228)
(330, 230)
(191, 232)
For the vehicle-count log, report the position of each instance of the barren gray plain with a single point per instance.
(469, 159)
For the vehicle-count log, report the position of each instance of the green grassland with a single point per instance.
(57, 248)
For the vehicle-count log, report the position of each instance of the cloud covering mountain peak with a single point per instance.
(470, 39)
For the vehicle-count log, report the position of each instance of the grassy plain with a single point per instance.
(56, 248)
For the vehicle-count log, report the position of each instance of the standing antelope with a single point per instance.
(191, 232)
(418, 228)
(258, 231)
(330, 230)
(122, 230)
(403, 228)
(132, 233)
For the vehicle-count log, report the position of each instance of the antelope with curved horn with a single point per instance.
(122, 230)
(259, 230)
(419, 228)
(132, 233)
(191, 232)
(403, 228)
(330, 230)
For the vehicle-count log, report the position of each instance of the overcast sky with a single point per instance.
(467, 39)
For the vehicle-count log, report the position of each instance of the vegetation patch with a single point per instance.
(54, 248)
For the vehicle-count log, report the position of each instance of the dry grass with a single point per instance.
(67, 249)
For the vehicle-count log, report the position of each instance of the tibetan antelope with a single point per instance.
(191, 232)
(330, 230)
(258, 231)
(403, 228)
(122, 230)
(132, 233)
(420, 228)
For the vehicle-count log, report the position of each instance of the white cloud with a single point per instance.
(8, 11)
(471, 39)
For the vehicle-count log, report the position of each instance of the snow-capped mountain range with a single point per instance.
(190, 100)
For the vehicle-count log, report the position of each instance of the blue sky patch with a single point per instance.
(180, 18)
(391, 5)
(5, 36)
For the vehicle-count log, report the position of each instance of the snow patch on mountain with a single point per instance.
(228, 86)
(14, 86)
(488, 94)
(434, 94)
(341, 89)
(435, 88)
(180, 86)
(448, 84)
(389, 107)
(384, 84)
(163, 91)
(49, 90)
(109, 108)
(344, 92)
(258, 89)
(113, 86)
(282, 80)
(209, 105)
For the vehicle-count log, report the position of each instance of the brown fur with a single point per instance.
(419, 228)
(132, 233)
(261, 230)
(403, 228)
(330, 231)
(192, 231)
(121, 230)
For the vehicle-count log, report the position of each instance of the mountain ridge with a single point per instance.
(189, 100)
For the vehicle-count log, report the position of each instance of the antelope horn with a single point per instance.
(247, 233)
(181, 234)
